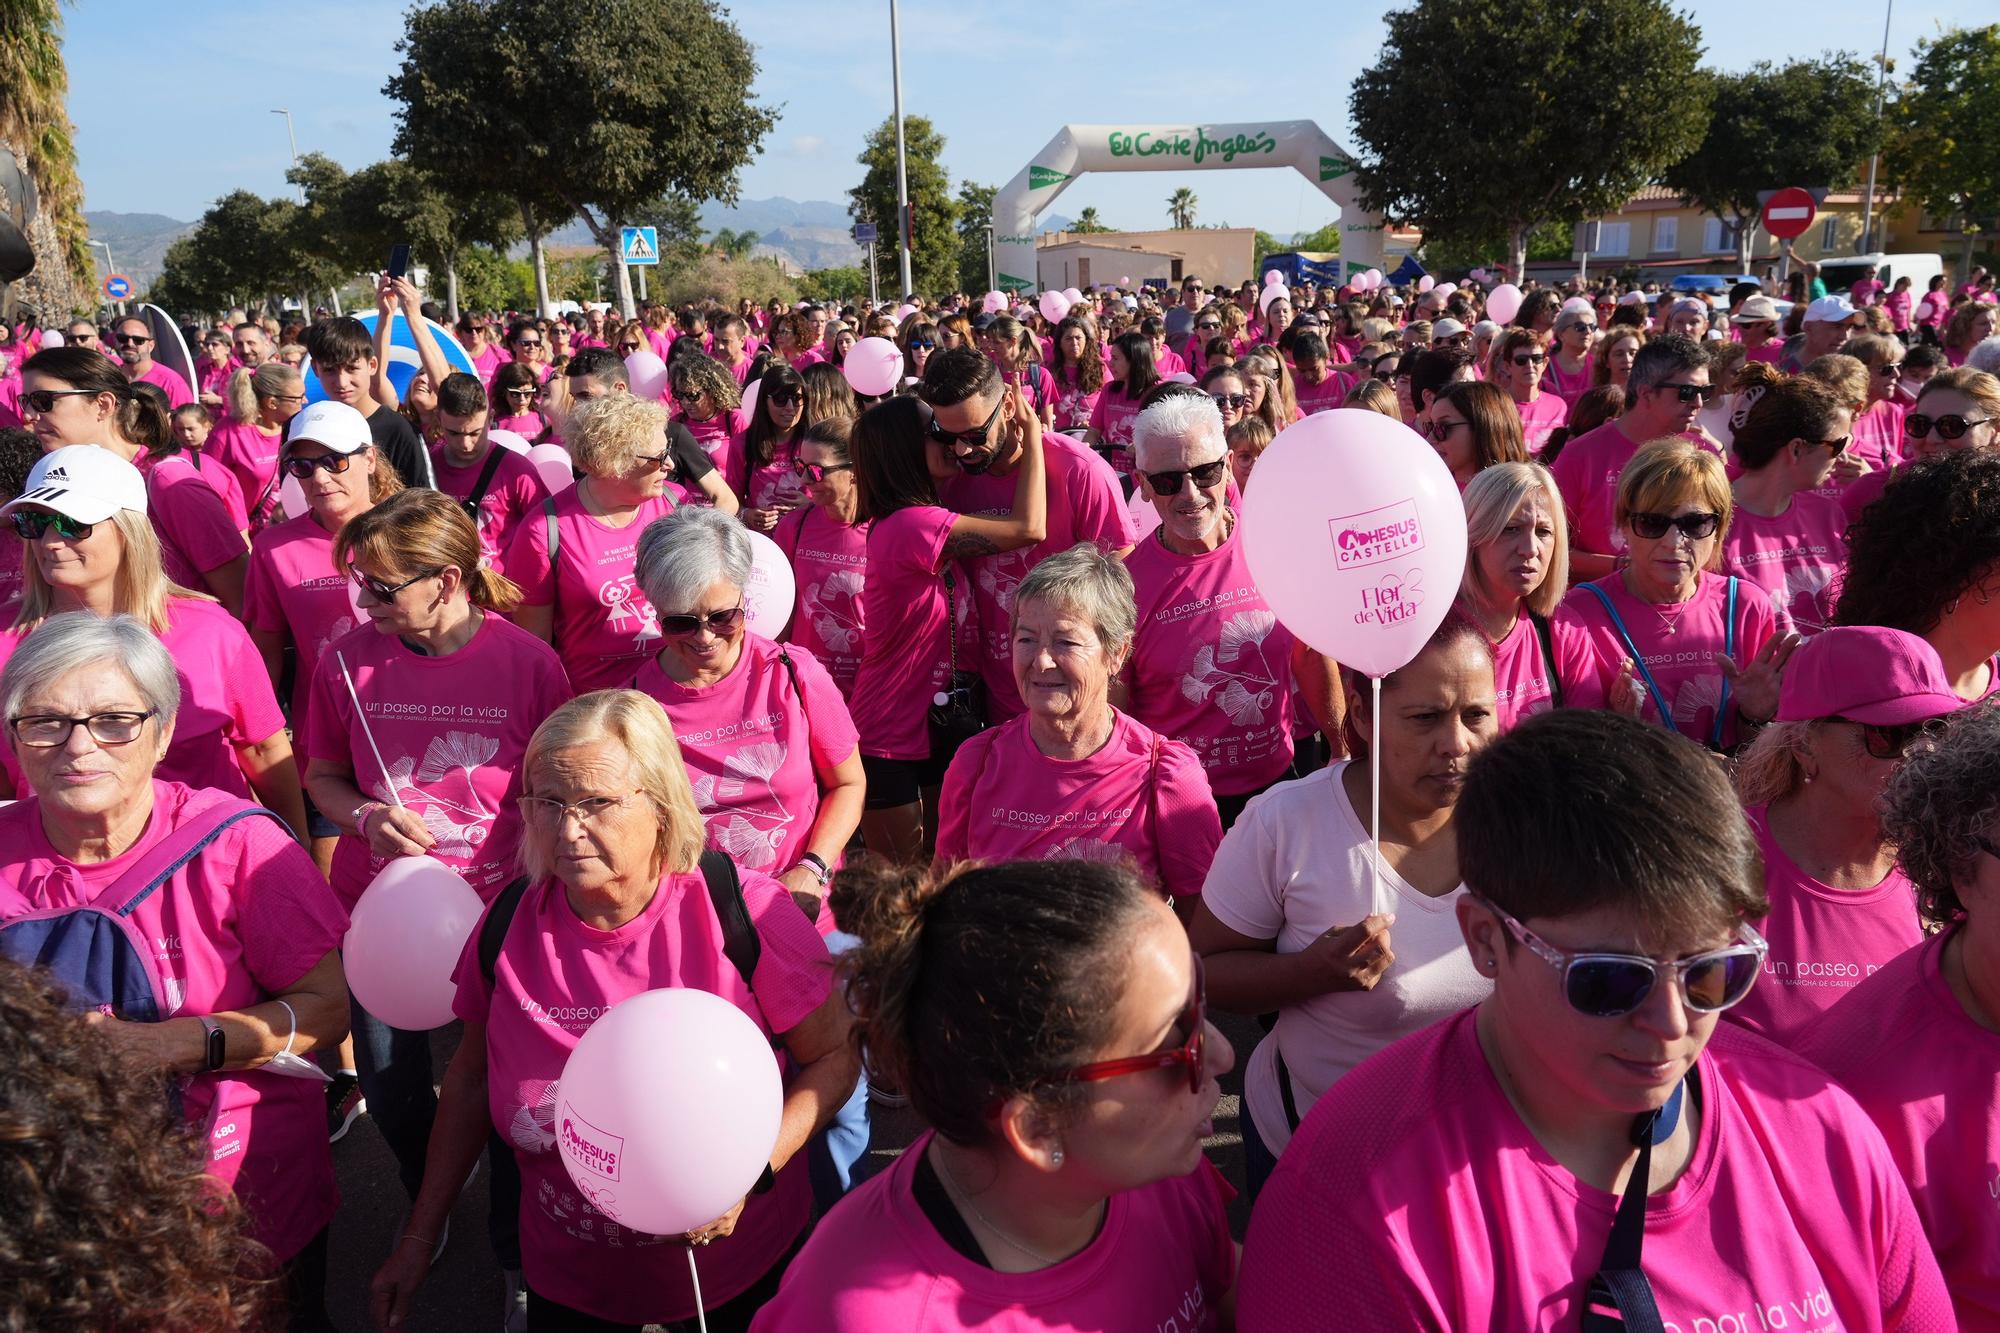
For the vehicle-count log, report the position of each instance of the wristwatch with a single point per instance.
(212, 1051)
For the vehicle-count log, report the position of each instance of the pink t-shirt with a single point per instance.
(292, 588)
(604, 626)
(904, 657)
(1898, 305)
(1036, 384)
(530, 426)
(197, 532)
(553, 977)
(1163, 1259)
(1929, 1077)
(1075, 406)
(250, 455)
(1682, 662)
(1561, 384)
(774, 484)
(170, 382)
(1541, 417)
(1863, 491)
(1141, 796)
(1324, 396)
(1445, 1212)
(1824, 940)
(1521, 672)
(722, 436)
(240, 924)
(13, 567)
(1085, 504)
(1168, 362)
(515, 492)
(453, 731)
(1877, 437)
(1111, 417)
(1587, 474)
(1211, 666)
(829, 571)
(224, 483)
(1770, 352)
(752, 743)
(487, 363)
(1799, 557)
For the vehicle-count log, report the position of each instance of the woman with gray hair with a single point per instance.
(1073, 776)
(223, 970)
(1918, 1042)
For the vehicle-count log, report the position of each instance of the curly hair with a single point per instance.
(1938, 803)
(106, 1217)
(1933, 535)
(699, 375)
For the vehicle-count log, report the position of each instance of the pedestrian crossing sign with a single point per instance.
(639, 245)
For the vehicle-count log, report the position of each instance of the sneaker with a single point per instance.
(344, 1105)
(514, 1312)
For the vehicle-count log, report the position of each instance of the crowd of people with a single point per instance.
(1642, 904)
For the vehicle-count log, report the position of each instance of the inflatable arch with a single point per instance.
(1078, 149)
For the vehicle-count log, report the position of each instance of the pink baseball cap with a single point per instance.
(1864, 673)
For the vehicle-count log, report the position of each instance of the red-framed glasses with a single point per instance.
(1188, 1054)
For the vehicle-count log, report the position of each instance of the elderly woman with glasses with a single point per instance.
(241, 977)
(1474, 1171)
(1696, 651)
(1518, 360)
(1918, 1041)
(618, 899)
(1048, 1021)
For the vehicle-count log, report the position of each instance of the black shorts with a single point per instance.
(896, 782)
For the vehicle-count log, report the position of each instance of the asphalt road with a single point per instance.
(464, 1290)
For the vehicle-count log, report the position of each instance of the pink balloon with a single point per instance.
(668, 1109)
(1503, 303)
(404, 939)
(1426, 282)
(1374, 279)
(1356, 537)
(552, 464)
(1272, 292)
(1180, 377)
(292, 496)
(509, 440)
(750, 392)
(995, 302)
(767, 598)
(646, 374)
(874, 366)
(1054, 305)
(1445, 288)
(1073, 294)
(1273, 277)
(903, 312)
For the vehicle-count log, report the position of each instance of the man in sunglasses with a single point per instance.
(134, 338)
(966, 395)
(83, 333)
(596, 372)
(1664, 391)
(1180, 319)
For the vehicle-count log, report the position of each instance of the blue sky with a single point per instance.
(172, 101)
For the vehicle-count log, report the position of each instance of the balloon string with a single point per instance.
(695, 1273)
(1375, 787)
(367, 730)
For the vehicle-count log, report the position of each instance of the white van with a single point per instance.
(1843, 272)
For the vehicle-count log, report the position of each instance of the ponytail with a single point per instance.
(241, 395)
(490, 590)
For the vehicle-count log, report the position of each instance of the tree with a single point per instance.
(1945, 136)
(833, 284)
(35, 125)
(1180, 208)
(1324, 241)
(735, 245)
(1089, 223)
(1523, 144)
(391, 201)
(975, 216)
(1807, 123)
(934, 240)
(604, 106)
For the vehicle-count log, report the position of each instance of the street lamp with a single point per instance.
(905, 224)
(289, 134)
(1881, 82)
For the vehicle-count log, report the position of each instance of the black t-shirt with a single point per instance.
(691, 461)
(399, 442)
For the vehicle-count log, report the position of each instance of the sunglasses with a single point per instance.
(1889, 369)
(782, 396)
(817, 472)
(1231, 401)
(1692, 393)
(976, 436)
(1611, 985)
(1916, 425)
(1438, 430)
(43, 401)
(1208, 325)
(1838, 446)
(1891, 742)
(521, 393)
(133, 339)
(1204, 474)
(32, 523)
(628, 348)
(923, 344)
(529, 343)
(1695, 526)
(1580, 327)
(1187, 1055)
(303, 468)
(386, 592)
(720, 623)
(1526, 359)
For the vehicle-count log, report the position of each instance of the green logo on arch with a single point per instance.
(1333, 168)
(1041, 178)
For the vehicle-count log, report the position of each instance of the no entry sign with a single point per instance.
(1789, 212)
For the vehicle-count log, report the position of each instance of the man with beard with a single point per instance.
(135, 357)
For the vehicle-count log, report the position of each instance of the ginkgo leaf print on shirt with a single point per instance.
(754, 827)
(833, 604)
(1803, 599)
(1695, 704)
(533, 1127)
(1232, 673)
(441, 790)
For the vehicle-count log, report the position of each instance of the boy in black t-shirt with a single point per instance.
(343, 357)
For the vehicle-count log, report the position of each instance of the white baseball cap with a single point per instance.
(83, 482)
(1830, 310)
(1446, 328)
(335, 425)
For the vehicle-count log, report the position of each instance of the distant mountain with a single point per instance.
(1054, 222)
(138, 241)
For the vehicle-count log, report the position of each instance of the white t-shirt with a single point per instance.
(1295, 865)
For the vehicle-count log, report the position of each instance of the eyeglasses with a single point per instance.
(1187, 1055)
(303, 468)
(133, 339)
(1916, 425)
(1438, 430)
(684, 396)
(1204, 474)
(1838, 446)
(544, 812)
(1689, 393)
(32, 523)
(953, 437)
(818, 472)
(720, 623)
(1889, 369)
(1526, 359)
(1229, 402)
(1891, 742)
(216, 343)
(85, 336)
(1654, 526)
(529, 344)
(386, 592)
(43, 401)
(1611, 985)
(46, 731)
(1580, 327)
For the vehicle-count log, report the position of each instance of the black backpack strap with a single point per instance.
(493, 930)
(480, 487)
(1541, 624)
(739, 934)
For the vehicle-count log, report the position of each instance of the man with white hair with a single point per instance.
(1210, 665)
(1829, 322)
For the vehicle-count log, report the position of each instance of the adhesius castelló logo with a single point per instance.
(587, 1145)
(1375, 535)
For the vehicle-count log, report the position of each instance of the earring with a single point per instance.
(1056, 1158)
(1490, 964)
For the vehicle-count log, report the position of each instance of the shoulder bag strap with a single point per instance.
(471, 502)
(1639, 662)
(739, 934)
(493, 930)
(1729, 648)
(1541, 624)
(950, 629)
(1620, 1298)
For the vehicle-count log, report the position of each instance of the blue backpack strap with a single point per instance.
(167, 857)
(1639, 662)
(1729, 648)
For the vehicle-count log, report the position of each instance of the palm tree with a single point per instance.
(35, 126)
(1088, 221)
(1180, 207)
(735, 244)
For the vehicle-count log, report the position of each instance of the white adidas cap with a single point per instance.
(82, 482)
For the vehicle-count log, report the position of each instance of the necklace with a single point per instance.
(959, 1196)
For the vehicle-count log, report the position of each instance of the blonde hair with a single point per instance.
(1491, 499)
(140, 588)
(1772, 766)
(248, 387)
(1674, 471)
(423, 529)
(606, 435)
(638, 723)
(1372, 395)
